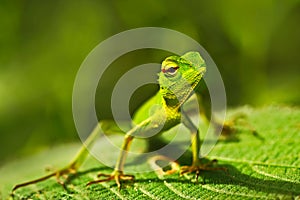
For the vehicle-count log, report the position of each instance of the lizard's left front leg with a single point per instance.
(196, 166)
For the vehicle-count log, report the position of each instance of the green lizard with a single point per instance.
(178, 78)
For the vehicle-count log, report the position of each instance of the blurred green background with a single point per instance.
(254, 43)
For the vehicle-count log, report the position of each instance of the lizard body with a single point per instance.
(179, 77)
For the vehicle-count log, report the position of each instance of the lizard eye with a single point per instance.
(170, 70)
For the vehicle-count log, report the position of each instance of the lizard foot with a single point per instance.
(172, 165)
(230, 129)
(61, 177)
(227, 128)
(200, 167)
(118, 176)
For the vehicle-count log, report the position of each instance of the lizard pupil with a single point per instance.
(170, 70)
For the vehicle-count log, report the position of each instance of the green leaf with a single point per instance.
(266, 167)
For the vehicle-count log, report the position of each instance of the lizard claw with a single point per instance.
(118, 176)
(200, 167)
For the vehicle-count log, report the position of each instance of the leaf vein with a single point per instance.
(147, 193)
(272, 175)
(177, 191)
(253, 162)
(230, 193)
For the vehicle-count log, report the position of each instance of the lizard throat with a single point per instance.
(177, 101)
(189, 93)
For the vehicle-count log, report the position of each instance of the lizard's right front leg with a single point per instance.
(118, 174)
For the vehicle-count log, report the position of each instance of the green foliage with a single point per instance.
(265, 166)
(254, 43)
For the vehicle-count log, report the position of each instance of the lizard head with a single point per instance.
(179, 76)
